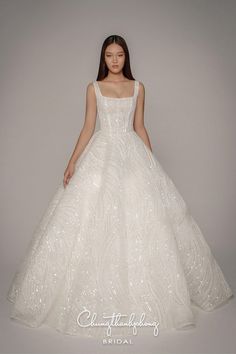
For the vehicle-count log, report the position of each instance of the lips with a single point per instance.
(115, 66)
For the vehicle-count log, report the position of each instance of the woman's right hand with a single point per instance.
(68, 173)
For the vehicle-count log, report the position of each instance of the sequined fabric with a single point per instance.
(119, 238)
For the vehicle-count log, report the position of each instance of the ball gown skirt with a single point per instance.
(118, 239)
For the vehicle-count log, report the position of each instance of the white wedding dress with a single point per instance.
(118, 239)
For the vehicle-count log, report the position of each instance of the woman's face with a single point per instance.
(114, 57)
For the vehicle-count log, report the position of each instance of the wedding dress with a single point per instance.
(118, 239)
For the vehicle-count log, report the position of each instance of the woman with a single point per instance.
(117, 236)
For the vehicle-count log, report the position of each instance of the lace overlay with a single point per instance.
(119, 238)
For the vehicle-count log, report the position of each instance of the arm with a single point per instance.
(89, 124)
(139, 117)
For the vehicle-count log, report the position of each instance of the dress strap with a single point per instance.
(97, 91)
(136, 88)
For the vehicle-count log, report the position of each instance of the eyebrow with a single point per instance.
(117, 52)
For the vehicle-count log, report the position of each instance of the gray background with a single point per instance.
(184, 53)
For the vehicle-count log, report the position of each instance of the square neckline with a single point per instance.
(118, 98)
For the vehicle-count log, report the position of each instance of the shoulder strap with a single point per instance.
(95, 84)
(136, 88)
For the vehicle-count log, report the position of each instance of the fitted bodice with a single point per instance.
(116, 114)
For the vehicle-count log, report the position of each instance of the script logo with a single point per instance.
(84, 319)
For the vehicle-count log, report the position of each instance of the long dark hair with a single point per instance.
(103, 69)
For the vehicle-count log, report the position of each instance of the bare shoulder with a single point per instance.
(90, 88)
(141, 86)
(141, 90)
